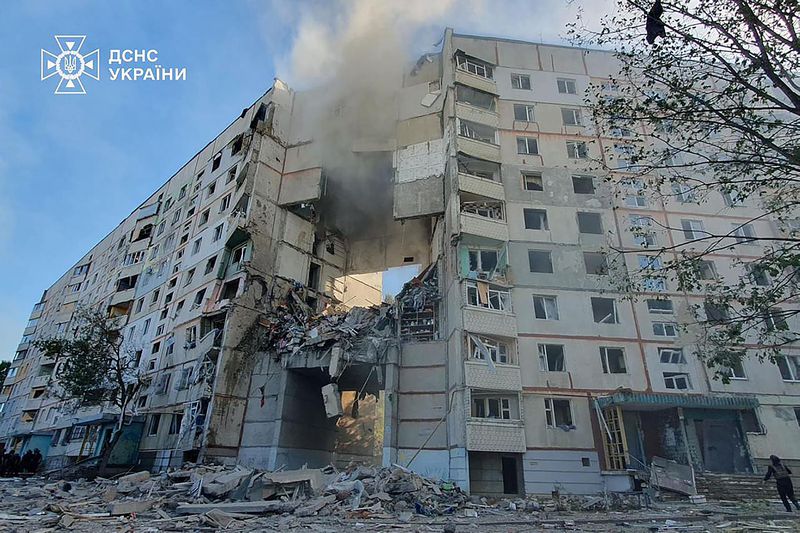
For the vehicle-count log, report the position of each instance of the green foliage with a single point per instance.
(4, 366)
(715, 108)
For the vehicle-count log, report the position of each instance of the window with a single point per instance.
(736, 370)
(210, 265)
(474, 66)
(521, 81)
(583, 184)
(743, 233)
(673, 356)
(706, 269)
(161, 227)
(545, 308)
(225, 203)
(155, 421)
(12, 372)
(758, 275)
(566, 86)
(532, 181)
(527, 145)
(477, 131)
(238, 257)
(160, 330)
(146, 326)
(677, 381)
(595, 263)
(524, 113)
(577, 150)
(493, 210)
(649, 265)
(775, 319)
(189, 277)
(172, 282)
(156, 347)
(237, 144)
(658, 306)
(80, 270)
(497, 350)
(185, 379)
(551, 358)
(591, 223)
(217, 233)
(231, 175)
(665, 329)
(692, 229)
(683, 193)
(211, 188)
(571, 116)
(175, 423)
(473, 97)
(154, 252)
(176, 217)
(716, 313)
(732, 198)
(163, 383)
(482, 260)
(204, 217)
(482, 295)
(75, 287)
(557, 413)
(613, 360)
(154, 298)
(182, 192)
(635, 195)
(604, 310)
(642, 234)
(796, 415)
(491, 408)
(216, 162)
(623, 154)
(789, 366)
(536, 219)
(190, 335)
(198, 297)
(540, 261)
(196, 245)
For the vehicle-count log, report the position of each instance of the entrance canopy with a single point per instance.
(649, 401)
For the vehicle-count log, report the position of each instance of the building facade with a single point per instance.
(514, 364)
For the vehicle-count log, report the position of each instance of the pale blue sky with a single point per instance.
(71, 167)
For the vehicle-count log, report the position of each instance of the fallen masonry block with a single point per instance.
(223, 484)
(127, 507)
(130, 482)
(239, 507)
(313, 506)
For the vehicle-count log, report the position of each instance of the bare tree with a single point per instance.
(711, 109)
(95, 367)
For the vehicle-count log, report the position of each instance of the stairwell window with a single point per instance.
(677, 381)
(521, 81)
(527, 145)
(577, 150)
(545, 307)
(613, 360)
(566, 86)
(789, 367)
(557, 413)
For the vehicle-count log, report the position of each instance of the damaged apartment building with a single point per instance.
(249, 288)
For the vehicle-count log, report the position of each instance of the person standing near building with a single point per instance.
(783, 481)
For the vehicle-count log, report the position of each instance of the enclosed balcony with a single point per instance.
(487, 309)
(483, 217)
(475, 73)
(478, 140)
(495, 423)
(502, 373)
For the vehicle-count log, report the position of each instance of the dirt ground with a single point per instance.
(39, 505)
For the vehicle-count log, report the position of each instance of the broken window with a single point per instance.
(475, 97)
(758, 275)
(478, 167)
(536, 219)
(604, 310)
(155, 348)
(692, 229)
(551, 358)
(237, 144)
(775, 319)
(677, 381)
(540, 261)
(146, 325)
(481, 294)
(189, 277)
(493, 210)
(665, 329)
(484, 407)
(527, 145)
(124, 284)
(558, 413)
(545, 307)
(566, 86)
(314, 271)
(521, 81)
(672, 356)
(198, 297)
(483, 261)
(683, 192)
(498, 350)
(212, 187)
(225, 203)
(175, 423)
(789, 367)
(196, 245)
(595, 263)
(736, 370)
(577, 150)
(238, 258)
(474, 66)
(732, 198)
(230, 289)
(623, 154)
(591, 223)
(706, 269)
(635, 196)
(657, 306)
(80, 270)
(642, 234)
(217, 233)
(477, 131)
(532, 181)
(571, 116)
(583, 184)
(216, 162)
(210, 265)
(231, 175)
(133, 258)
(716, 313)
(744, 233)
(613, 360)
(152, 427)
(651, 280)
(524, 113)
(176, 217)
(186, 378)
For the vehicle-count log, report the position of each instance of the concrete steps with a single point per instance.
(735, 487)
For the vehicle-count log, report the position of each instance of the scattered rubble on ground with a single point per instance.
(199, 497)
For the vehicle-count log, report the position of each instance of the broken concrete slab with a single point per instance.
(222, 484)
(131, 482)
(239, 507)
(126, 507)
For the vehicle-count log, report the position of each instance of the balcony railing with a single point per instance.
(481, 186)
(480, 375)
(495, 435)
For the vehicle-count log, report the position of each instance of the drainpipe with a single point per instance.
(684, 435)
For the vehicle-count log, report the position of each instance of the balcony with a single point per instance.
(122, 296)
(489, 322)
(480, 376)
(40, 381)
(476, 82)
(495, 435)
(30, 330)
(480, 149)
(486, 227)
(37, 310)
(474, 113)
(32, 404)
(481, 186)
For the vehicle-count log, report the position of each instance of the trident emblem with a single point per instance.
(70, 64)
